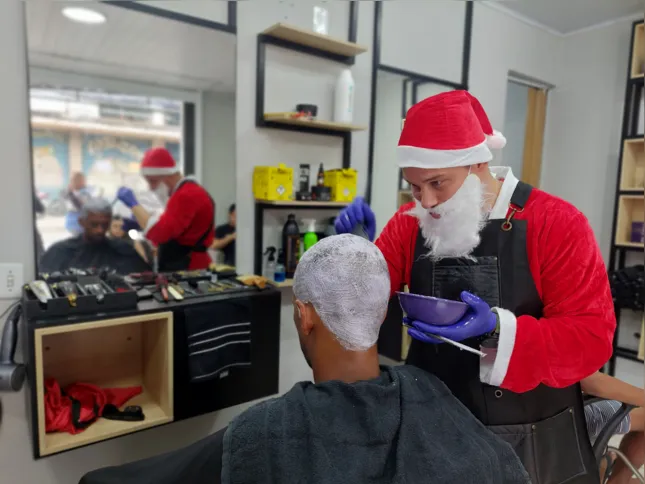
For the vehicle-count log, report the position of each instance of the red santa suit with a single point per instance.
(185, 229)
(537, 264)
(574, 337)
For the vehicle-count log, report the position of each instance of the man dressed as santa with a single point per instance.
(184, 231)
(528, 266)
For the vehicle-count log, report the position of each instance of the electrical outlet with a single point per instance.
(11, 281)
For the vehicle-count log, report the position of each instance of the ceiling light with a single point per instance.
(84, 15)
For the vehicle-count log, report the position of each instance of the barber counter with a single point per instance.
(187, 358)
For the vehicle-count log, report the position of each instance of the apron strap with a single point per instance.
(519, 198)
(521, 194)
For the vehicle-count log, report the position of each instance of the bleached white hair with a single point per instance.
(346, 279)
(95, 205)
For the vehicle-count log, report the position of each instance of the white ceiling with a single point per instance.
(131, 46)
(567, 16)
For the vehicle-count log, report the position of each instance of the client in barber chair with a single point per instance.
(92, 248)
(357, 422)
(598, 413)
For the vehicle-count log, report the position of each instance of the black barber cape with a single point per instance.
(78, 254)
(404, 427)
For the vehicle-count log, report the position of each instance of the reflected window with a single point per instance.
(89, 143)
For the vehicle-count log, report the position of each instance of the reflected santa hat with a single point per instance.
(158, 161)
(447, 130)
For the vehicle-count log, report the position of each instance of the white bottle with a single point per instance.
(344, 98)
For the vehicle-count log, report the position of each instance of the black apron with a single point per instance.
(546, 426)
(173, 256)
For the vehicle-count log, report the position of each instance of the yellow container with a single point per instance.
(273, 182)
(342, 183)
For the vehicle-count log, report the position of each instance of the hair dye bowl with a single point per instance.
(431, 310)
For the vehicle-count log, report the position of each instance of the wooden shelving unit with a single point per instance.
(288, 118)
(324, 47)
(114, 353)
(314, 40)
(629, 205)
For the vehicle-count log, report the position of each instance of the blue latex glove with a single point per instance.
(130, 224)
(357, 212)
(126, 195)
(478, 320)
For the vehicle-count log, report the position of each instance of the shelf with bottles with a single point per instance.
(290, 118)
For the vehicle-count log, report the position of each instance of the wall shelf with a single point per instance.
(631, 208)
(301, 204)
(314, 40)
(287, 118)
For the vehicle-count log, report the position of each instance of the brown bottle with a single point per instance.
(321, 176)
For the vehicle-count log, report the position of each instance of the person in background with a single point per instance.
(76, 194)
(117, 232)
(225, 238)
(184, 231)
(357, 422)
(616, 392)
(92, 248)
(525, 262)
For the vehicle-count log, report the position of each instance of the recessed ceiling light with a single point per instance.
(84, 15)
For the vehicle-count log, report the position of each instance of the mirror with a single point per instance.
(395, 94)
(108, 84)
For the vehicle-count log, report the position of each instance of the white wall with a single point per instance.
(423, 36)
(517, 99)
(218, 150)
(385, 172)
(580, 162)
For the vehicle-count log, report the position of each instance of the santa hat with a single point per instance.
(158, 161)
(446, 130)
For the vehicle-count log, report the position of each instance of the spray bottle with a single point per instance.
(280, 271)
(269, 265)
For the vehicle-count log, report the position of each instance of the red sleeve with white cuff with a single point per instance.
(573, 338)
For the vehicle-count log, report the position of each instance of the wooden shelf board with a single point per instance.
(288, 119)
(315, 40)
(298, 203)
(104, 429)
(285, 283)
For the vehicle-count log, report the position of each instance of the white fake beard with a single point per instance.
(462, 217)
(162, 193)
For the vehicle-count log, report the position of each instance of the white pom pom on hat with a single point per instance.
(495, 141)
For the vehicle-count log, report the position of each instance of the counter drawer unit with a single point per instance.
(110, 353)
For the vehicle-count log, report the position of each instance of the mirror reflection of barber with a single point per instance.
(183, 232)
(529, 268)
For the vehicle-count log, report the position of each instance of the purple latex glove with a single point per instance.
(357, 212)
(478, 320)
(130, 224)
(126, 195)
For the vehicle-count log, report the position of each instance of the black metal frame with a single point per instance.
(188, 137)
(230, 26)
(260, 78)
(414, 79)
(618, 253)
(260, 122)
